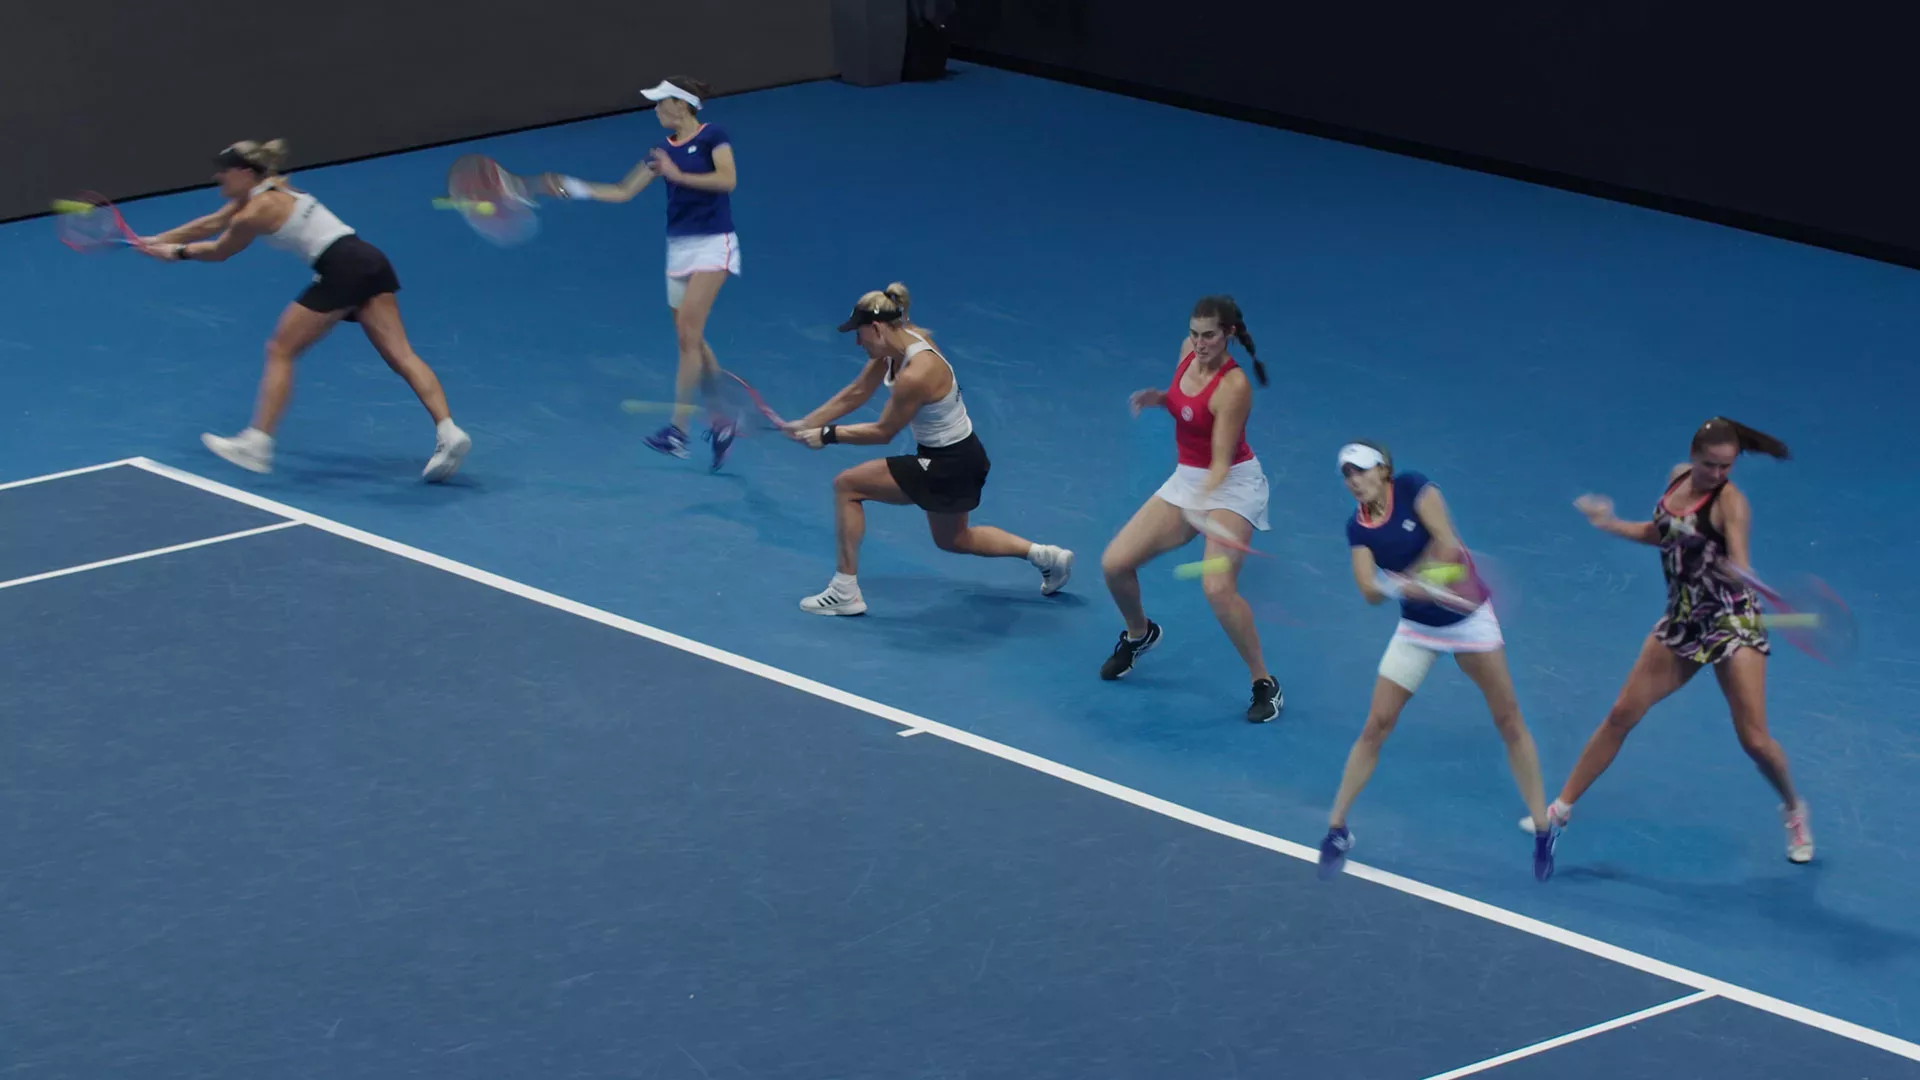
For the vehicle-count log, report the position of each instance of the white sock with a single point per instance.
(846, 584)
(254, 437)
(446, 428)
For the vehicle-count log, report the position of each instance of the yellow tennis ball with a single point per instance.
(485, 208)
(1444, 574)
(1216, 565)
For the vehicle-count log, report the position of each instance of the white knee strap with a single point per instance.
(1406, 664)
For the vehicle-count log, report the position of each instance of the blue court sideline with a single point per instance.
(1518, 345)
(286, 800)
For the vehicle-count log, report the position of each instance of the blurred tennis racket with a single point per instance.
(89, 223)
(501, 206)
(727, 397)
(1463, 585)
(1808, 614)
(1220, 534)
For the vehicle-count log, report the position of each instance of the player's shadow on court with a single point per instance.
(763, 515)
(934, 614)
(387, 478)
(1790, 900)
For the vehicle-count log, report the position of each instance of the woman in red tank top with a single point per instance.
(1216, 475)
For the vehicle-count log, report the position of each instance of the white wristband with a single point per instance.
(575, 188)
(1387, 584)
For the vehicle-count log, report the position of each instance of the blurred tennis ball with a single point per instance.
(1219, 564)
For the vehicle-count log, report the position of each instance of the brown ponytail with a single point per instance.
(1224, 311)
(1720, 430)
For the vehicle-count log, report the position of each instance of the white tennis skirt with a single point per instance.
(690, 255)
(1415, 646)
(1478, 632)
(1244, 491)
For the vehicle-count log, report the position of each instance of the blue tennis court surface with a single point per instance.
(306, 802)
(285, 798)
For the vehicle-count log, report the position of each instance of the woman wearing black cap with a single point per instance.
(352, 280)
(944, 476)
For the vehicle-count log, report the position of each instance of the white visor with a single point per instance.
(667, 90)
(1360, 457)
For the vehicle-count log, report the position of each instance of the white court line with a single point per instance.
(911, 732)
(1511, 920)
(64, 475)
(138, 555)
(1574, 1036)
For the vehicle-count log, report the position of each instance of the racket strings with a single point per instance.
(495, 203)
(87, 224)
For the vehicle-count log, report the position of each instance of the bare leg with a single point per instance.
(380, 318)
(1223, 593)
(952, 533)
(1489, 672)
(1656, 675)
(1389, 698)
(1155, 529)
(697, 362)
(299, 329)
(866, 482)
(1743, 679)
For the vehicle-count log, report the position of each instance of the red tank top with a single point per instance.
(1193, 420)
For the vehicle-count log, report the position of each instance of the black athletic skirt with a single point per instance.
(349, 273)
(943, 479)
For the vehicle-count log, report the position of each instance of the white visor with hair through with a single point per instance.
(667, 90)
(1360, 456)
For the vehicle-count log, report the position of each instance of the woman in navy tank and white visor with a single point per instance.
(943, 476)
(352, 280)
(1401, 530)
(695, 158)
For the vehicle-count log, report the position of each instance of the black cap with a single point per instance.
(231, 159)
(863, 316)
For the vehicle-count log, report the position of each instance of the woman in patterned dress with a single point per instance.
(1712, 619)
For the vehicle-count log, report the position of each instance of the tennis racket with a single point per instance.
(1808, 614)
(497, 204)
(89, 223)
(728, 397)
(1465, 589)
(1217, 532)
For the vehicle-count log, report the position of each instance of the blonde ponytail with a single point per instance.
(268, 157)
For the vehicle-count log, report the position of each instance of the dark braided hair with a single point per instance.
(1721, 430)
(1224, 311)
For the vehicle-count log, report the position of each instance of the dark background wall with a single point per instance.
(1792, 121)
(132, 98)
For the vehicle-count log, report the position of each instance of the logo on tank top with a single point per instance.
(1186, 412)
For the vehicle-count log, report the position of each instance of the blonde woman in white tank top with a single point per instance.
(352, 280)
(945, 474)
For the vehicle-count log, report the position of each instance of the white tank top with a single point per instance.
(309, 230)
(938, 423)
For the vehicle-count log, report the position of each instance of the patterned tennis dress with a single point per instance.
(1708, 617)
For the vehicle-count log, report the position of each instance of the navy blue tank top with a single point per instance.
(1397, 542)
(690, 211)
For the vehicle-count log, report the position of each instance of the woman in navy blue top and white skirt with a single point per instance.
(1400, 530)
(695, 158)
